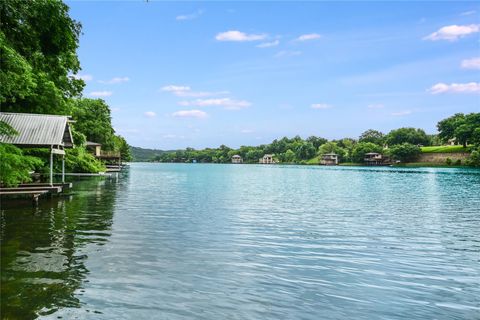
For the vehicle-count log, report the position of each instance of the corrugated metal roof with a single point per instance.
(91, 143)
(37, 129)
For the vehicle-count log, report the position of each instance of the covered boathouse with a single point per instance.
(40, 131)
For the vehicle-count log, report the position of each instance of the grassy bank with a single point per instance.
(445, 149)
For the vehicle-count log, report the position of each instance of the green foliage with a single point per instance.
(448, 162)
(305, 151)
(362, 148)
(464, 128)
(407, 135)
(80, 160)
(405, 152)
(474, 159)
(93, 119)
(14, 166)
(38, 42)
(288, 156)
(122, 146)
(372, 136)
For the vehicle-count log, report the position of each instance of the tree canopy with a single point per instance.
(407, 135)
(38, 43)
(372, 136)
(464, 128)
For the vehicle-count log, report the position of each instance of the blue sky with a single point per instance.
(180, 74)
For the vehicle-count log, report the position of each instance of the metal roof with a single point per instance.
(38, 130)
(91, 143)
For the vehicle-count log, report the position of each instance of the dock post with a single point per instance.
(51, 166)
(63, 169)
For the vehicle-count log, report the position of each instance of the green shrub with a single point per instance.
(474, 159)
(79, 160)
(448, 161)
(458, 162)
(404, 152)
(14, 166)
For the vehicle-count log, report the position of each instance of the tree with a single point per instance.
(289, 156)
(407, 135)
(446, 127)
(93, 119)
(305, 151)
(316, 141)
(372, 136)
(362, 148)
(405, 152)
(38, 43)
(461, 127)
(14, 166)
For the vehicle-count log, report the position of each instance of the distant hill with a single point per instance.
(141, 154)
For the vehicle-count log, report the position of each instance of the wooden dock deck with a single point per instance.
(35, 190)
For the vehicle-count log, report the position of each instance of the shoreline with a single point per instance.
(346, 164)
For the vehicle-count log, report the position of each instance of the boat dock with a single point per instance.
(35, 190)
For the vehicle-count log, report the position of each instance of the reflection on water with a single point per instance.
(42, 252)
(175, 241)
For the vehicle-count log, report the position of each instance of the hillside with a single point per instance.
(141, 154)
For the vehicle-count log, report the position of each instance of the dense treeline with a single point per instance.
(38, 43)
(401, 144)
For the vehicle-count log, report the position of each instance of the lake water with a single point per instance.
(198, 241)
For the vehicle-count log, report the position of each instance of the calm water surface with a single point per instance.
(173, 241)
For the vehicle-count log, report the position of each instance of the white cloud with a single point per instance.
(247, 131)
(268, 44)
(287, 53)
(84, 77)
(115, 109)
(186, 91)
(189, 16)
(150, 114)
(471, 87)
(375, 106)
(401, 113)
(321, 106)
(468, 13)
(190, 114)
(234, 35)
(473, 63)
(453, 32)
(227, 103)
(310, 36)
(101, 93)
(115, 80)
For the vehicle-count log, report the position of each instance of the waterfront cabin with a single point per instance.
(375, 159)
(329, 159)
(40, 131)
(267, 159)
(237, 159)
(95, 148)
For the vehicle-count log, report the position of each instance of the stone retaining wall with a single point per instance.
(442, 157)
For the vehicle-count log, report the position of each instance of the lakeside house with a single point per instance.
(40, 131)
(267, 159)
(112, 159)
(329, 159)
(375, 159)
(237, 159)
